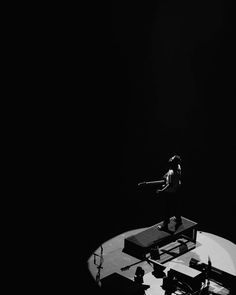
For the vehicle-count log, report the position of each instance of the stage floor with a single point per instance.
(221, 252)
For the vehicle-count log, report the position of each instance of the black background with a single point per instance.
(161, 82)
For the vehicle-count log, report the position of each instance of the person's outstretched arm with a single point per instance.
(168, 183)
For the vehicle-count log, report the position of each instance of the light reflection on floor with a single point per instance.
(221, 252)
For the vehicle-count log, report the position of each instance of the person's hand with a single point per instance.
(158, 191)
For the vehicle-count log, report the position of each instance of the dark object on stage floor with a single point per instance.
(194, 263)
(154, 252)
(189, 277)
(158, 269)
(140, 244)
(219, 276)
(169, 284)
(116, 284)
(138, 278)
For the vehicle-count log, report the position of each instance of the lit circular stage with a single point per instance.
(222, 254)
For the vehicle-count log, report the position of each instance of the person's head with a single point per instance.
(174, 162)
(139, 271)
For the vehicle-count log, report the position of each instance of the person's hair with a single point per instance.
(174, 162)
(139, 271)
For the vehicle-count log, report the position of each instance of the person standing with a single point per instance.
(171, 192)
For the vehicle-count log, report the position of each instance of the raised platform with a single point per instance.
(140, 244)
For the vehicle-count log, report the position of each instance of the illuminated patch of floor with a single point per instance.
(221, 252)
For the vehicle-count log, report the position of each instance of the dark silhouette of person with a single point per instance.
(139, 275)
(171, 192)
(169, 283)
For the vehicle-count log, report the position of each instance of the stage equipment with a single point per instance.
(214, 274)
(154, 253)
(188, 276)
(141, 244)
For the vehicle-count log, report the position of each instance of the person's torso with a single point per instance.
(173, 178)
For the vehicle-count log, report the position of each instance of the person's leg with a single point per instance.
(177, 208)
(178, 219)
(166, 220)
(166, 200)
